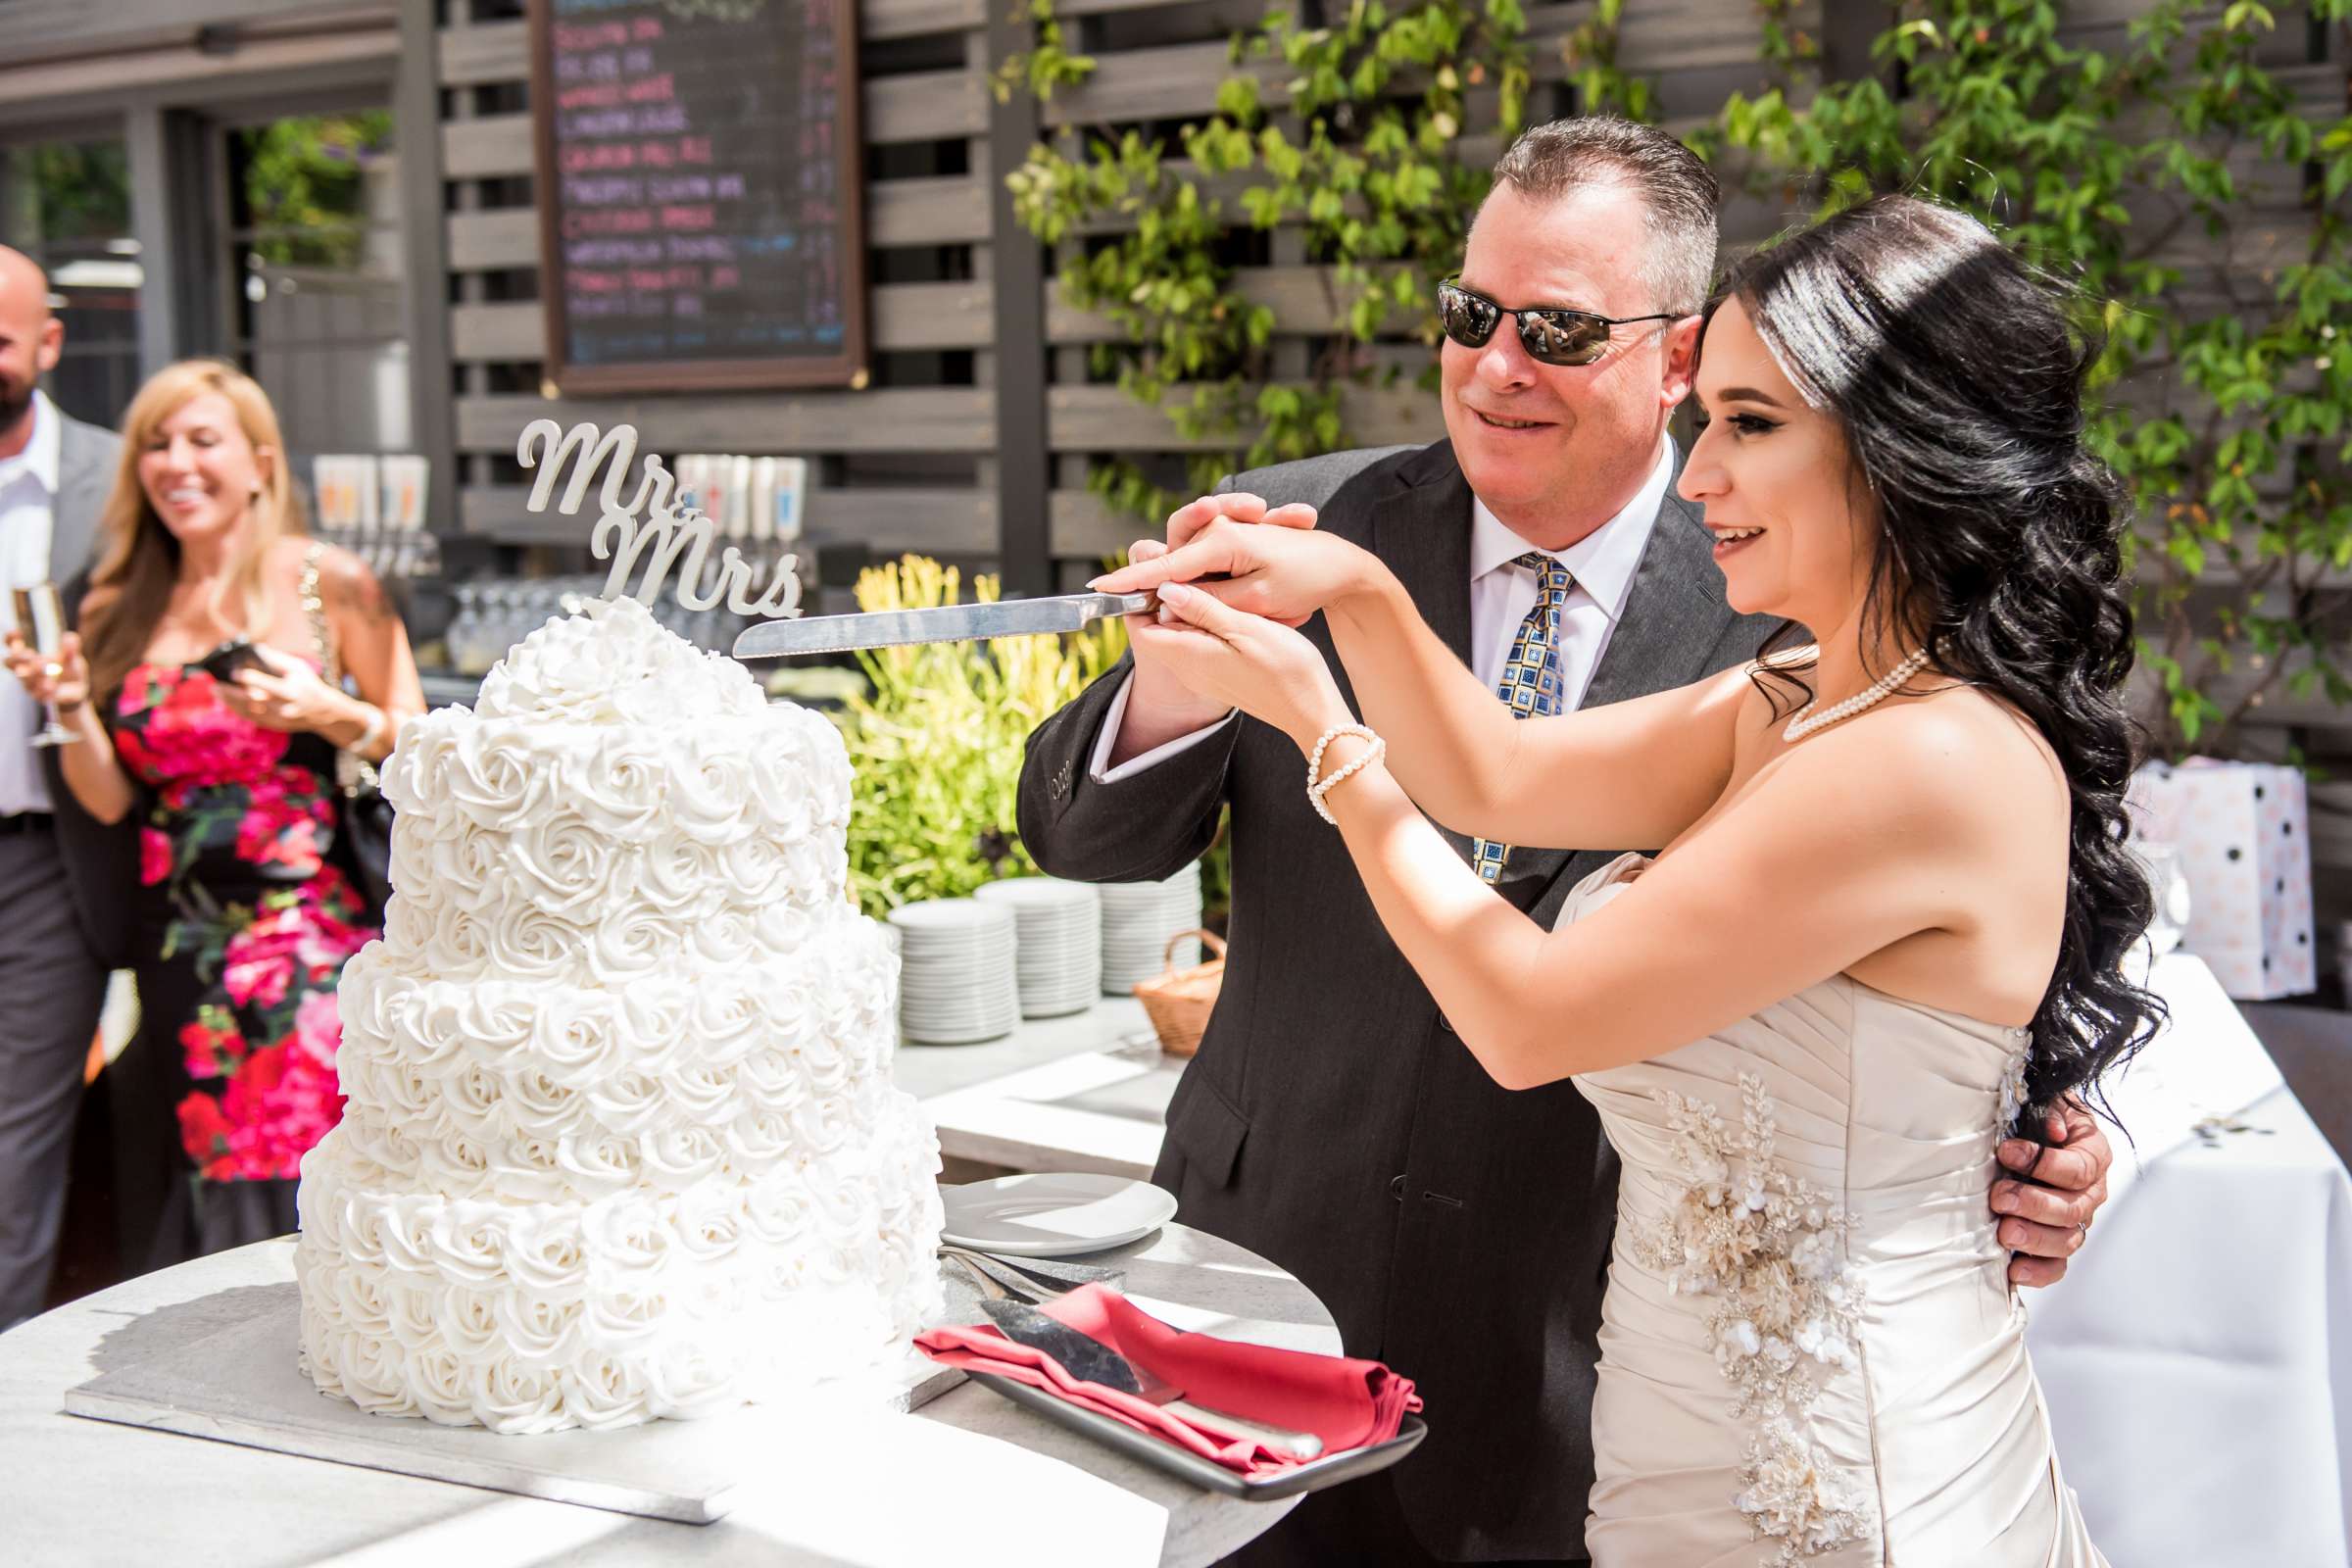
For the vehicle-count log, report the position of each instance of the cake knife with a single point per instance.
(949, 623)
(1090, 1360)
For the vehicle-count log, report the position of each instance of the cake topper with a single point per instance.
(650, 533)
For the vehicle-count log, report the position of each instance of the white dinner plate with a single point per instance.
(1052, 1213)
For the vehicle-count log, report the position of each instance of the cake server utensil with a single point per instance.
(948, 624)
(1090, 1360)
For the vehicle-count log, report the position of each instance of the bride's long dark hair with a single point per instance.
(1951, 368)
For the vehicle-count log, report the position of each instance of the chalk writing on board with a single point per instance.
(697, 164)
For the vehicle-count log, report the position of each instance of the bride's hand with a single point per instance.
(1282, 573)
(1240, 506)
(1258, 666)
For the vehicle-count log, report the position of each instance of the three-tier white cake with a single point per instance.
(620, 1140)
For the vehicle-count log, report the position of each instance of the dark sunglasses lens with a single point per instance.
(1562, 338)
(1468, 320)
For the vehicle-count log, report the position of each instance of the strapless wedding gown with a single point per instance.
(1810, 1352)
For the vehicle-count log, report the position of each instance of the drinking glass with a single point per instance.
(41, 620)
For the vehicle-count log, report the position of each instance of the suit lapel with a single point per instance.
(1422, 533)
(83, 476)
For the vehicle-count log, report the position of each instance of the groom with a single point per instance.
(1331, 1121)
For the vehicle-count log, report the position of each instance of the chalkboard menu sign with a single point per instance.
(697, 187)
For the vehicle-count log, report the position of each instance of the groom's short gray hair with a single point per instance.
(1678, 193)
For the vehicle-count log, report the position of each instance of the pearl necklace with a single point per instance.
(1800, 726)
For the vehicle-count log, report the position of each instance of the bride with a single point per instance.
(1890, 913)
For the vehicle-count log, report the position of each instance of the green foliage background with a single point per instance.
(2174, 180)
(936, 741)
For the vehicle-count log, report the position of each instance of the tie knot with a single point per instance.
(1551, 577)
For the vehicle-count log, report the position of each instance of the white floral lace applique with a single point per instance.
(1770, 1248)
(1794, 1496)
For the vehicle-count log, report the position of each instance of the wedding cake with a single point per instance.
(620, 1139)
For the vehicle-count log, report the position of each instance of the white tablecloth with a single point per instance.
(2197, 1358)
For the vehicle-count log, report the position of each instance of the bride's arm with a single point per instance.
(1851, 843)
(1838, 848)
(1635, 772)
(1628, 773)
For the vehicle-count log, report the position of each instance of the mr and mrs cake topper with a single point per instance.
(655, 529)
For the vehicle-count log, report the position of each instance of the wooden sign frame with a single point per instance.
(848, 369)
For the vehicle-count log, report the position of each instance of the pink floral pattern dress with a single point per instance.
(250, 924)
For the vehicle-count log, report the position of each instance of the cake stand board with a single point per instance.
(243, 1385)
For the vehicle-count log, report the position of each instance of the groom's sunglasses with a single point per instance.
(1551, 334)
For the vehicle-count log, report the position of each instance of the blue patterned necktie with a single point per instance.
(1531, 676)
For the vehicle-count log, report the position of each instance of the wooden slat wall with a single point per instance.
(909, 464)
(1156, 61)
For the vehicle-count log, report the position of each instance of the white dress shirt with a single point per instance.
(1601, 563)
(27, 501)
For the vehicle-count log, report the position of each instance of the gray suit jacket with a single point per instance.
(1332, 1121)
(101, 861)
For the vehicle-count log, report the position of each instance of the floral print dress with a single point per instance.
(246, 925)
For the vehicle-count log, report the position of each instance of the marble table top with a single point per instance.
(932, 1488)
(1086, 1093)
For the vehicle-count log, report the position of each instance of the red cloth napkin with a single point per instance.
(1346, 1403)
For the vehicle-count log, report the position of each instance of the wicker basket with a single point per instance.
(1178, 1001)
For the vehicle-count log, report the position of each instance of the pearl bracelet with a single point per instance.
(1317, 787)
(370, 735)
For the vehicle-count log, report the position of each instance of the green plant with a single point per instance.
(936, 741)
(303, 186)
(1347, 133)
(2198, 209)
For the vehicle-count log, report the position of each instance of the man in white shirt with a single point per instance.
(1331, 1121)
(55, 474)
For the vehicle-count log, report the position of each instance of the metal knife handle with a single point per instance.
(1282, 1440)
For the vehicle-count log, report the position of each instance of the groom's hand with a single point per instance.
(2045, 1214)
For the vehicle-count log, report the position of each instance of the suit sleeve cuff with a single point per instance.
(1100, 770)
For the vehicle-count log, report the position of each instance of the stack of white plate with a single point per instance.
(1139, 918)
(1060, 928)
(955, 976)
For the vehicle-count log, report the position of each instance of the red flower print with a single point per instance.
(191, 738)
(257, 980)
(317, 1028)
(276, 831)
(212, 1041)
(204, 1132)
(278, 1104)
(155, 857)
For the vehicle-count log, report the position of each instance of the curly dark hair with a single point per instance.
(1952, 371)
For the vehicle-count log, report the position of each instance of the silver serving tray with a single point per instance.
(1182, 1463)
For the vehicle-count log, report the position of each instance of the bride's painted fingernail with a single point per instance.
(1174, 593)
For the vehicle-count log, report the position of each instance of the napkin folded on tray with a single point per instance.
(1346, 1403)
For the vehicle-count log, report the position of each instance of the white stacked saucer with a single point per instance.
(1139, 918)
(1061, 931)
(956, 984)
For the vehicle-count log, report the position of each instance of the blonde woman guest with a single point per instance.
(245, 919)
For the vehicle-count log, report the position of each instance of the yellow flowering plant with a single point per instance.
(937, 740)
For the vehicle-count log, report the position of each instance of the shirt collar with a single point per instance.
(43, 452)
(1603, 561)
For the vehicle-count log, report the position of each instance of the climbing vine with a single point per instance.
(1347, 133)
(2186, 184)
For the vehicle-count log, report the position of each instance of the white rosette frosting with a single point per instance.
(620, 1140)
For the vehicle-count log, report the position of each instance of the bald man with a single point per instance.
(55, 474)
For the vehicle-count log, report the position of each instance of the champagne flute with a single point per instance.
(41, 620)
